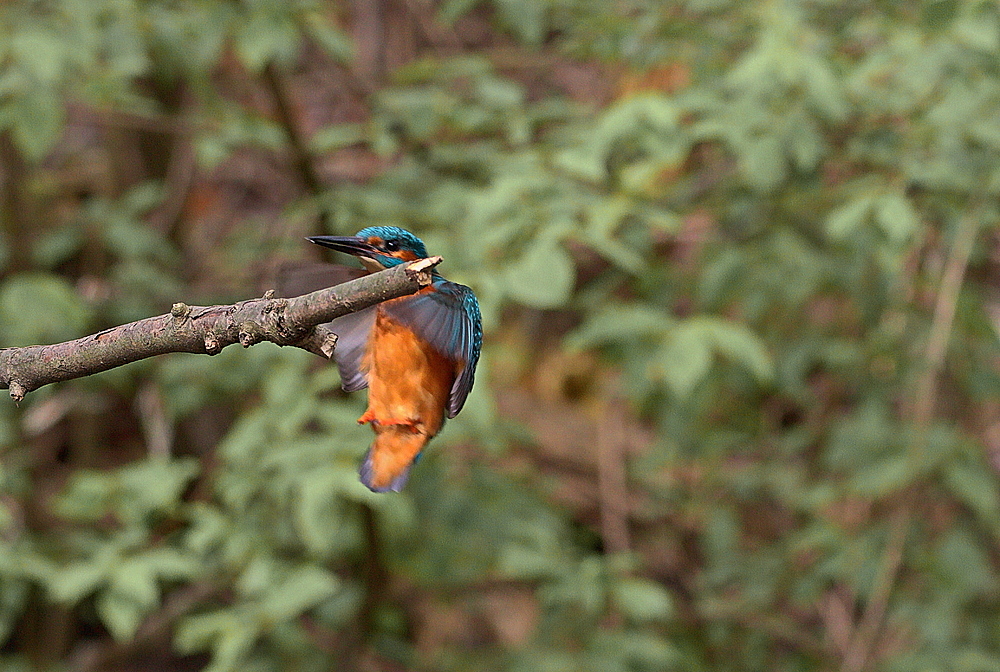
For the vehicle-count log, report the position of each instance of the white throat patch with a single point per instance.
(372, 265)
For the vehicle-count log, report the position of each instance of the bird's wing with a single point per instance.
(448, 319)
(353, 331)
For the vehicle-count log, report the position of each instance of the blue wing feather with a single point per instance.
(353, 331)
(449, 320)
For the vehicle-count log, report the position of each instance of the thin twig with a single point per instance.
(925, 400)
(126, 119)
(368, 30)
(207, 330)
(276, 81)
(15, 204)
(181, 169)
(779, 626)
(443, 37)
(612, 485)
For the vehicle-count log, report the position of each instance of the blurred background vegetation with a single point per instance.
(739, 407)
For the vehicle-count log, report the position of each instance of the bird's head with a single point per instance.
(378, 247)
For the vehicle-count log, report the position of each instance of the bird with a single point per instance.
(416, 354)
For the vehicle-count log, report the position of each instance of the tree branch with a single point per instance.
(295, 321)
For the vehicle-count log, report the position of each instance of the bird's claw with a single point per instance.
(409, 423)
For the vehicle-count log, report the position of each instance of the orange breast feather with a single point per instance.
(408, 387)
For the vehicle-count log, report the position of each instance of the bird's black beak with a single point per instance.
(359, 247)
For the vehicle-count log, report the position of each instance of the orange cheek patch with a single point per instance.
(405, 255)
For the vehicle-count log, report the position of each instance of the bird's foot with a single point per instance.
(410, 423)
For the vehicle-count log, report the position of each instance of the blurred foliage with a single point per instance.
(724, 419)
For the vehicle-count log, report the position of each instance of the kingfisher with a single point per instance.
(417, 355)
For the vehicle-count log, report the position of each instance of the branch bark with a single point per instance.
(207, 330)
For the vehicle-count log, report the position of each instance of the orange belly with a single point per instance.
(408, 387)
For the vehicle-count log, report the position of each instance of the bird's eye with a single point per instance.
(391, 246)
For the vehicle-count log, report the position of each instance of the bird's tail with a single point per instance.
(387, 463)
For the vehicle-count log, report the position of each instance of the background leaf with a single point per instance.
(713, 245)
(39, 308)
(542, 277)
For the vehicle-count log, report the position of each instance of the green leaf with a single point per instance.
(543, 277)
(74, 582)
(500, 93)
(36, 117)
(55, 247)
(866, 435)
(521, 562)
(976, 486)
(974, 659)
(120, 614)
(622, 323)
(584, 162)
(329, 37)
(450, 10)
(86, 497)
(189, 37)
(169, 563)
(258, 575)
(807, 145)
(634, 649)
(208, 527)
(525, 19)
(228, 632)
(885, 477)
(4, 252)
(134, 242)
(643, 600)
(132, 492)
(266, 36)
(844, 220)
(963, 560)
(337, 136)
(318, 517)
(763, 163)
(14, 595)
(304, 587)
(40, 52)
(896, 217)
(157, 485)
(979, 31)
(135, 581)
(40, 308)
(686, 358)
(619, 254)
(739, 344)
(230, 648)
(196, 633)
(823, 88)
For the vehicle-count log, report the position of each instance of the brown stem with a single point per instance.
(181, 166)
(612, 481)
(15, 206)
(863, 639)
(444, 38)
(298, 142)
(206, 330)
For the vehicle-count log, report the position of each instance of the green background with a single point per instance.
(739, 404)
